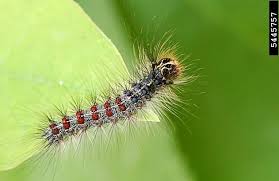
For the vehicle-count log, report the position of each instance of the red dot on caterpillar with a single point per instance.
(80, 117)
(107, 104)
(118, 100)
(122, 107)
(93, 108)
(95, 116)
(66, 123)
(54, 128)
(109, 112)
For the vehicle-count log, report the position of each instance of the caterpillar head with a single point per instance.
(169, 68)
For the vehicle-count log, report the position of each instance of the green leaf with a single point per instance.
(49, 51)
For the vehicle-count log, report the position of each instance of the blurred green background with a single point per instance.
(236, 134)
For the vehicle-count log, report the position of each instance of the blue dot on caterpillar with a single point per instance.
(161, 74)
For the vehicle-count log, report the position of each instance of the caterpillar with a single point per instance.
(161, 73)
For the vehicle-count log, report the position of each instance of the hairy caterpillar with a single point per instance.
(161, 73)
